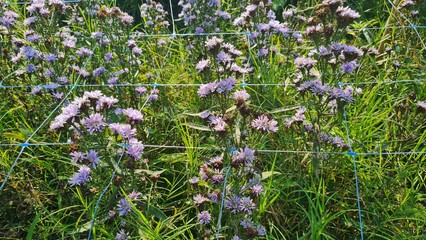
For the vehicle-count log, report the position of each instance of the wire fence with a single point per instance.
(353, 154)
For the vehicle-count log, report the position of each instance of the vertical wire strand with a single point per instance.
(353, 156)
(92, 222)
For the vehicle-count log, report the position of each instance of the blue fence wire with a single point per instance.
(243, 84)
(353, 156)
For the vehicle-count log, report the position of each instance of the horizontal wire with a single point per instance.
(230, 149)
(200, 84)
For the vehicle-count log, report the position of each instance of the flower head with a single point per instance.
(124, 207)
(81, 177)
(94, 123)
(264, 124)
(204, 217)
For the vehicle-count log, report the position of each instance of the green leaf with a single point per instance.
(265, 175)
(32, 227)
(198, 127)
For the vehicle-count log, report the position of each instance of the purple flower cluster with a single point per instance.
(81, 177)
(298, 117)
(133, 115)
(336, 142)
(94, 123)
(124, 207)
(251, 230)
(222, 87)
(154, 15)
(264, 124)
(316, 87)
(304, 63)
(124, 130)
(204, 217)
(244, 156)
(135, 149)
(122, 235)
(90, 158)
(237, 204)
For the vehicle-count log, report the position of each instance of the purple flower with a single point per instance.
(223, 14)
(108, 57)
(30, 68)
(204, 217)
(214, 196)
(241, 95)
(202, 65)
(264, 124)
(347, 14)
(213, 43)
(349, 67)
(421, 105)
(256, 190)
(81, 177)
(137, 51)
(69, 113)
(154, 95)
(98, 72)
(58, 95)
(97, 35)
(112, 80)
(246, 205)
(199, 200)
(224, 58)
(36, 90)
(29, 53)
(252, 230)
(205, 114)
(232, 203)
(9, 19)
(194, 180)
(299, 117)
(206, 89)
(263, 52)
(70, 42)
(124, 130)
(302, 62)
(133, 115)
(124, 207)
(82, 52)
(94, 123)
(135, 149)
(199, 30)
(141, 90)
(50, 58)
(62, 80)
(92, 157)
(93, 95)
(225, 86)
(134, 195)
(217, 178)
(245, 156)
(218, 124)
(77, 156)
(111, 214)
(106, 102)
(122, 235)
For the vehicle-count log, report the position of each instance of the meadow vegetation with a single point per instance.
(208, 119)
